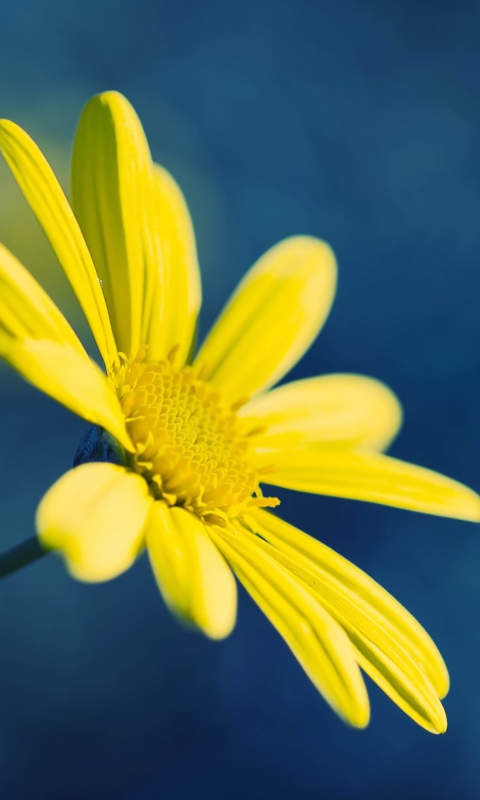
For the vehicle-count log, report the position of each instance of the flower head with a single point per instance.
(180, 447)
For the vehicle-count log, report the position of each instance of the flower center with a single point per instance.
(190, 446)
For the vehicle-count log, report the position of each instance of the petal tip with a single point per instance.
(468, 505)
(360, 718)
(439, 723)
(6, 124)
(312, 247)
(9, 130)
(110, 98)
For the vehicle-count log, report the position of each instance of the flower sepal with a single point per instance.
(97, 444)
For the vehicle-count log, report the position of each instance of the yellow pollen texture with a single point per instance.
(190, 446)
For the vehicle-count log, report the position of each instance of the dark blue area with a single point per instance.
(355, 121)
(98, 445)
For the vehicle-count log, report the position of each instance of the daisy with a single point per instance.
(180, 446)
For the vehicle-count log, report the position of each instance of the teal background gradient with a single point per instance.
(357, 121)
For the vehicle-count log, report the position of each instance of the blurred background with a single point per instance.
(357, 121)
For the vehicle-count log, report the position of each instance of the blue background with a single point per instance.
(357, 121)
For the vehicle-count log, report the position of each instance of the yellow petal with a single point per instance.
(113, 198)
(26, 311)
(49, 204)
(75, 382)
(316, 640)
(171, 317)
(347, 411)
(375, 478)
(392, 647)
(193, 577)
(94, 516)
(361, 599)
(403, 683)
(272, 319)
(36, 339)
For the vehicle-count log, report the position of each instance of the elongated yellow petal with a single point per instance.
(370, 607)
(404, 683)
(75, 382)
(347, 411)
(36, 339)
(316, 640)
(26, 311)
(49, 204)
(113, 198)
(170, 319)
(94, 516)
(272, 319)
(392, 647)
(375, 478)
(192, 575)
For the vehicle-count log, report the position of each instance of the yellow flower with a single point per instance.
(180, 446)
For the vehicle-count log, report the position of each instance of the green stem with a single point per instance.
(20, 556)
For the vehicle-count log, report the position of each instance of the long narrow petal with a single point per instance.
(392, 647)
(375, 478)
(113, 198)
(95, 516)
(26, 310)
(169, 321)
(193, 577)
(49, 204)
(272, 319)
(347, 411)
(316, 640)
(36, 339)
(75, 382)
(367, 604)
(404, 683)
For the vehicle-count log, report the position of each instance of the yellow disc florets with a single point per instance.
(189, 445)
